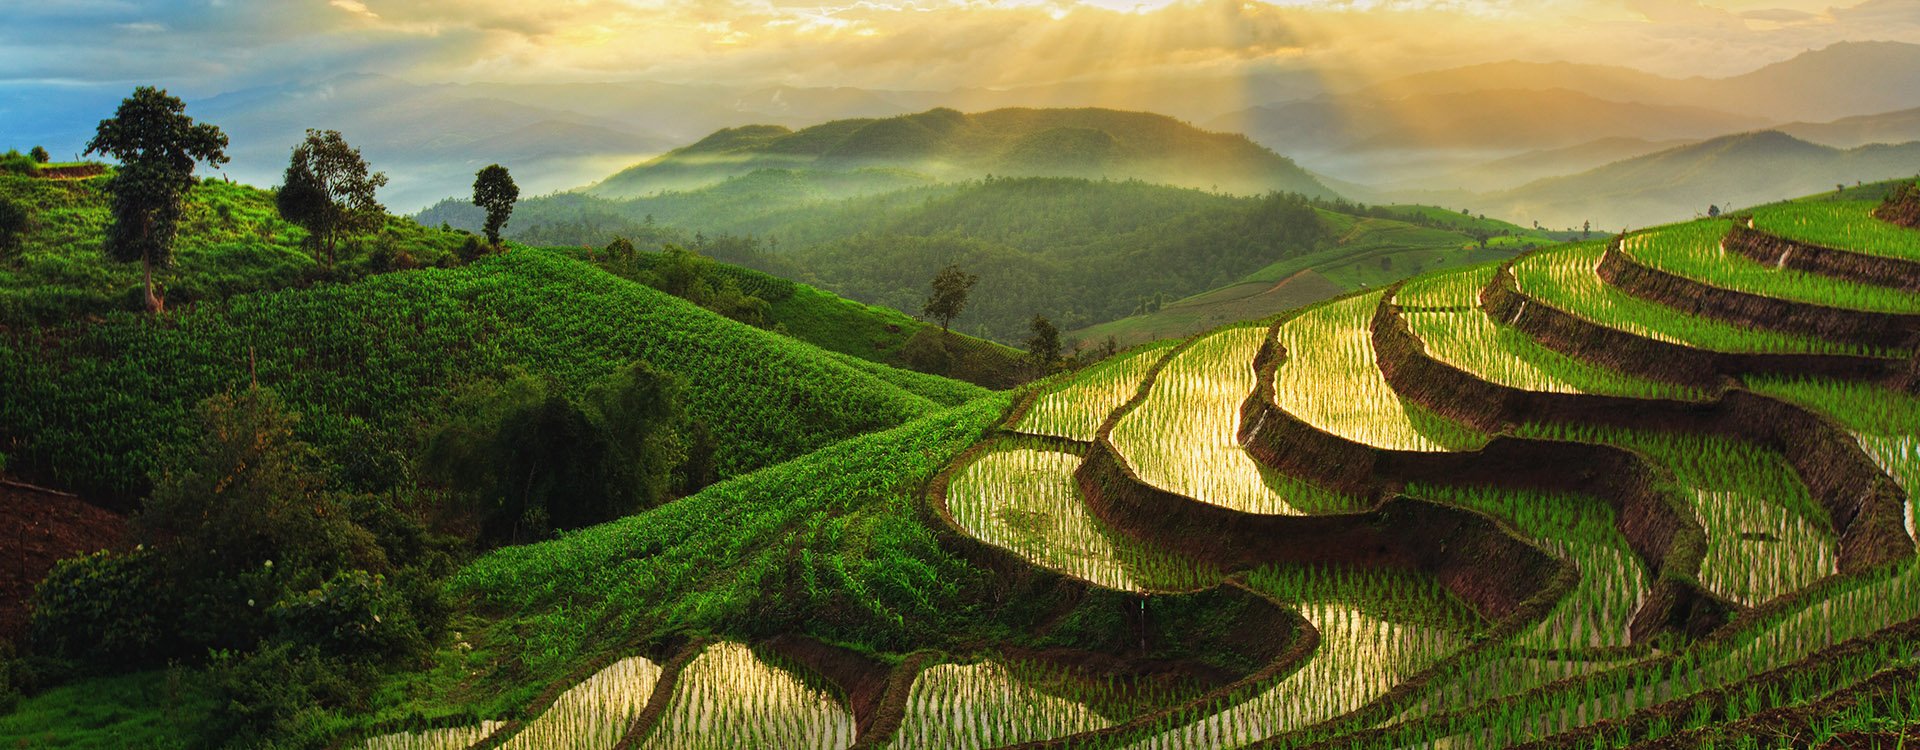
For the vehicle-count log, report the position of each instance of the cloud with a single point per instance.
(207, 46)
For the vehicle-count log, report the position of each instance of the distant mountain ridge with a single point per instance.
(947, 144)
(1671, 185)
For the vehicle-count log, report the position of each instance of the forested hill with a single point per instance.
(946, 144)
(1080, 252)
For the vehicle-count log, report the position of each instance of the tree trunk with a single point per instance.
(155, 305)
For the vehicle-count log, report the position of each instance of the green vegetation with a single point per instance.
(1331, 380)
(329, 191)
(1074, 408)
(1846, 225)
(1443, 312)
(1765, 536)
(157, 146)
(231, 241)
(1564, 278)
(1025, 500)
(1183, 437)
(367, 363)
(1693, 251)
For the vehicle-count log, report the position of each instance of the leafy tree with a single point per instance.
(329, 191)
(494, 191)
(157, 145)
(950, 288)
(532, 459)
(39, 154)
(1043, 347)
(1713, 211)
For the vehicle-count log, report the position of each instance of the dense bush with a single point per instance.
(533, 459)
(106, 608)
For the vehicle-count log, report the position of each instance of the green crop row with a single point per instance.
(1567, 279)
(1844, 225)
(1184, 436)
(1694, 251)
(1331, 380)
(1076, 408)
(371, 365)
(1455, 331)
(1765, 535)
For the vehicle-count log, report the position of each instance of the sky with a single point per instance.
(204, 47)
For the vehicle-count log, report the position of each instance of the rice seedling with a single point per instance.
(1695, 250)
(1025, 501)
(1512, 674)
(1456, 332)
(1885, 422)
(1448, 290)
(1846, 225)
(728, 698)
(1331, 380)
(1582, 531)
(1361, 657)
(1076, 408)
(1765, 535)
(1567, 279)
(987, 704)
(1184, 436)
(453, 738)
(594, 714)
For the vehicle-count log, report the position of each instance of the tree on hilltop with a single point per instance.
(494, 191)
(40, 155)
(329, 191)
(950, 288)
(157, 145)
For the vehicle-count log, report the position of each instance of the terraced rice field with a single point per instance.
(728, 697)
(453, 738)
(1580, 530)
(1331, 380)
(1442, 313)
(594, 714)
(1566, 279)
(1847, 225)
(1403, 659)
(1075, 409)
(1184, 436)
(1360, 658)
(986, 705)
(1694, 251)
(1025, 500)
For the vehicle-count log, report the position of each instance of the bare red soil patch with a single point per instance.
(38, 528)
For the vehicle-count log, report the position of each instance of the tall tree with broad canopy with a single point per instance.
(494, 191)
(157, 145)
(950, 288)
(329, 191)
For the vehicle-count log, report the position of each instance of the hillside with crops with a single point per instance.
(1644, 491)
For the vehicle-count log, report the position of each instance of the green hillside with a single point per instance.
(1080, 252)
(947, 145)
(1367, 252)
(367, 362)
(231, 241)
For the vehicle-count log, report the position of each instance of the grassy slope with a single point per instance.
(1370, 253)
(232, 240)
(372, 363)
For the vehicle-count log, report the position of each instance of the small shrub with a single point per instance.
(105, 609)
